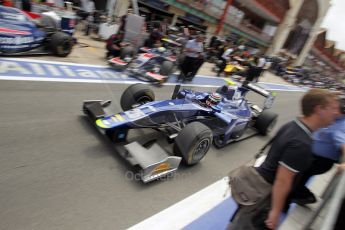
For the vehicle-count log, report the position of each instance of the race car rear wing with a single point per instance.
(257, 89)
(270, 96)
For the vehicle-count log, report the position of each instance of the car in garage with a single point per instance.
(22, 35)
(153, 65)
(150, 66)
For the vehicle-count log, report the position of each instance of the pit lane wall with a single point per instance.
(210, 208)
(38, 70)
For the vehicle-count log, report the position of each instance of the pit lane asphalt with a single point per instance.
(57, 172)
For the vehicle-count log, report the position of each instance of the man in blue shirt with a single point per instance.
(330, 142)
(194, 51)
(328, 148)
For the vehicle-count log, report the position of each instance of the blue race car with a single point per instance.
(191, 120)
(22, 35)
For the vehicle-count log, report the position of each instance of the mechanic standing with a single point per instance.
(115, 44)
(290, 155)
(154, 39)
(194, 58)
(225, 58)
(255, 68)
(89, 8)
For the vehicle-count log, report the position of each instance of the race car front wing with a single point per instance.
(153, 162)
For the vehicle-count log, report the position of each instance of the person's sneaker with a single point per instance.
(307, 197)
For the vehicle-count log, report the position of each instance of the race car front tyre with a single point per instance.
(166, 68)
(265, 122)
(193, 142)
(61, 44)
(136, 95)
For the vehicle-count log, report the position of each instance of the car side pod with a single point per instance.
(154, 162)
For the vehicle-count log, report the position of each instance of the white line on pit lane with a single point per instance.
(52, 62)
(120, 82)
(292, 89)
(93, 81)
(186, 211)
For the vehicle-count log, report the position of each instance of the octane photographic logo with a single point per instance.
(137, 176)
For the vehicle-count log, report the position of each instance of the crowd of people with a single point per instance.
(307, 75)
(236, 58)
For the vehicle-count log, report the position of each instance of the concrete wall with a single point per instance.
(288, 24)
(323, 8)
(121, 7)
(285, 27)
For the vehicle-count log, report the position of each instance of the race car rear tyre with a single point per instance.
(193, 142)
(135, 95)
(166, 68)
(265, 122)
(61, 44)
(127, 51)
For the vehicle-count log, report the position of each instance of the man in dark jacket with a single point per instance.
(115, 44)
(154, 39)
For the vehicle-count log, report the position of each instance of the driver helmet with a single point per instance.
(213, 99)
(161, 49)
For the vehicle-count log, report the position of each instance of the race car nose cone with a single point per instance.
(102, 123)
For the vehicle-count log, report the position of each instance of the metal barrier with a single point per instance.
(335, 204)
(333, 197)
